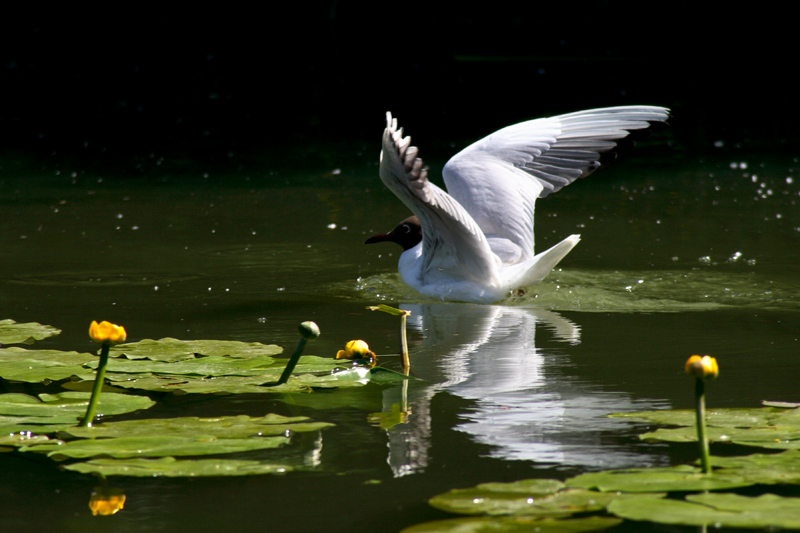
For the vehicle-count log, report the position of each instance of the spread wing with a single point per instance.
(451, 239)
(498, 179)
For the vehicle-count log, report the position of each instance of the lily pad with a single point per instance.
(720, 510)
(171, 467)
(520, 503)
(766, 427)
(776, 437)
(671, 479)
(241, 426)
(169, 349)
(765, 469)
(210, 375)
(34, 366)
(70, 404)
(13, 333)
(514, 525)
(203, 385)
(152, 446)
(731, 417)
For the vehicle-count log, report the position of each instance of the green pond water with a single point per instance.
(679, 255)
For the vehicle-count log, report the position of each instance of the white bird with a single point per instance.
(474, 243)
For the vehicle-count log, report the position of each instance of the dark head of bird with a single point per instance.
(407, 234)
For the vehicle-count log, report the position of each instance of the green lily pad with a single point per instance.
(765, 469)
(169, 349)
(202, 366)
(732, 417)
(514, 525)
(671, 479)
(171, 467)
(70, 404)
(203, 385)
(766, 427)
(35, 366)
(225, 375)
(776, 437)
(21, 439)
(719, 510)
(230, 427)
(152, 446)
(498, 502)
(27, 333)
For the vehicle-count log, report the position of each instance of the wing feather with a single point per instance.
(498, 179)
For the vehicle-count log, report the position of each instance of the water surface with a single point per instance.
(679, 255)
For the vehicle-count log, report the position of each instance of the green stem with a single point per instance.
(98, 387)
(700, 419)
(404, 343)
(293, 361)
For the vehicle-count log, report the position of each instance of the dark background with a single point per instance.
(111, 88)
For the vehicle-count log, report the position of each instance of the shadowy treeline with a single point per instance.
(241, 81)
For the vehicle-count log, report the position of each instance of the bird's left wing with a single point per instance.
(450, 236)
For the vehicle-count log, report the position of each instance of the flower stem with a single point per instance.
(98, 387)
(700, 418)
(293, 361)
(404, 343)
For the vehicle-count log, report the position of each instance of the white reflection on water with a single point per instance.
(526, 404)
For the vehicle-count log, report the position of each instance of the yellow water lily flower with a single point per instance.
(104, 504)
(705, 368)
(356, 349)
(107, 333)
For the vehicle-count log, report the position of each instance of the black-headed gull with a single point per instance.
(474, 243)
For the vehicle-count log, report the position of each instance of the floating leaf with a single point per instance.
(765, 469)
(21, 439)
(230, 427)
(677, 478)
(766, 427)
(169, 349)
(27, 333)
(171, 467)
(70, 404)
(777, 437)
(720, 510)
(34, 366)
(201, 385)
(514, 525)
(732, 417)
(152, 446)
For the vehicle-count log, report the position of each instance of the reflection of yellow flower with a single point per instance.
(356, 350)
(107, 333)
(704, 368)
(105, 502)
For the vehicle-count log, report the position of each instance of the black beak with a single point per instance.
(383, 237)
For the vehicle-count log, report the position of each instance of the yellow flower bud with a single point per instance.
(105, 502)
(107, 333)
(354, 350)
(359, 352)
(704, 368)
